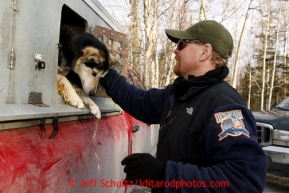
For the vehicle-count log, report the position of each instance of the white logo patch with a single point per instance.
(231, 124)
(190, 110)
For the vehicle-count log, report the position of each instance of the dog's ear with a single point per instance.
(93, 59)
(113, 62)
(117, 65)
(76, 53)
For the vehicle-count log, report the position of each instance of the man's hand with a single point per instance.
(143, 166)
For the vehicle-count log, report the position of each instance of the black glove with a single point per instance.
(143, 167)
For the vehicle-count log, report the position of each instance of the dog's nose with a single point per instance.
(92, 93)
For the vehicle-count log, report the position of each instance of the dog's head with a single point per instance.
(91, 62)
(90, 67)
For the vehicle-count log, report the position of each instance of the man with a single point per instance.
(207, 137)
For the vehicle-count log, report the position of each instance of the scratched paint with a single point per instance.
(31, 163)
(84, 156)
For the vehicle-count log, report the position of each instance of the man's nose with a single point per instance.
(176, 51)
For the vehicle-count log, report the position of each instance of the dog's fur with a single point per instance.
(83, 59)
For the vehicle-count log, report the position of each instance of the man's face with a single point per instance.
(187, 60)
(193, 58)
(177, 66)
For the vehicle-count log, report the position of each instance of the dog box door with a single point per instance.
(26, 31)
(6, 33)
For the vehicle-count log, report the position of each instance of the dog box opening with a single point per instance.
(86, 57)
(82, 60)
(72, 19)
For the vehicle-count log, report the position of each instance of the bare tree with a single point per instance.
(155, 61)
(249, 65)
(175, 17)
(286, 29)
(134, 37)
(264, 56)
(150, 26)
(275, 58)
(203, 10)
(239, 46)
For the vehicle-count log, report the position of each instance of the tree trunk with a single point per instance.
(236, 66)
(155, 70)
(202, 10)
(285, 66)
(149, 36)
(250, 68)
(170, 58)
(134, 39)
(275, 58)
(264, 58)
(285, 61)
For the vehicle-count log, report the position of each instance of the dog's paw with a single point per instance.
(95, 111)
(76, 102)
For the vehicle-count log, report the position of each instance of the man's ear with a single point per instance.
(207, 52)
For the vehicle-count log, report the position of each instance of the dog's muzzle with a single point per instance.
(92, 93)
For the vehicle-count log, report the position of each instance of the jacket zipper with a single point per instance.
(166, 124)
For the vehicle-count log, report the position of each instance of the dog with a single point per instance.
(83, 59)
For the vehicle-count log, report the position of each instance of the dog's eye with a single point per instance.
(94, 73)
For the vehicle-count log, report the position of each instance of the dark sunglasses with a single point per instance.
(183, 43)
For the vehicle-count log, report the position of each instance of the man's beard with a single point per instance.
(177, 67)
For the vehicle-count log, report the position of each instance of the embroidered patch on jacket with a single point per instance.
(231, 123)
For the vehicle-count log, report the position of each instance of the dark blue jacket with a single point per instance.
(231, 160)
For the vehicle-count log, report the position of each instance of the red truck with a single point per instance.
(45, 144)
